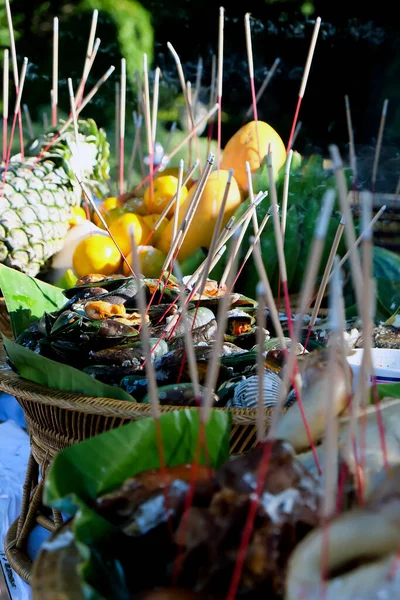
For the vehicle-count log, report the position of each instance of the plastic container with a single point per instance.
(386, 365)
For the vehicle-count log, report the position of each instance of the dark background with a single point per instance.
(357, 53)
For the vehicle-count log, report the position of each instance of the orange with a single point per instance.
(150, 221)
(164, 188)
(151, 262)
(121, 229)
(78, 216)
(243, 147)
(96, 254)
(105, 207)
(202, 226)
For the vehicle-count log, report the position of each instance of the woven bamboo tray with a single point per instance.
(56, 420)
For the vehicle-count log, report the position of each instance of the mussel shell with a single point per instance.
(111, 328)
(246, 392)
(178, 394)
(109, 374)
(109, 284)
(65, 322)
(135, 385)
(121, 356)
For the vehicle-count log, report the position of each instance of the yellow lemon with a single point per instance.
(164, 188)
(151, 262)
(155, 237)
(202, 226)
(121, 228)
(78, 216)
(105, 207)
(96, 254)
(250, 144)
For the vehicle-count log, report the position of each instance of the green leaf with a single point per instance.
(387, 275)
(57, 376)
(67, 281)
(292, 248)
(27, 298)
(100, 464)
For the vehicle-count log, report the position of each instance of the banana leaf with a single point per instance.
(58, 376)
(82, 472)
(387, 275)
(27, 298)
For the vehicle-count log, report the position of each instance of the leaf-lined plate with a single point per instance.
(82, 472)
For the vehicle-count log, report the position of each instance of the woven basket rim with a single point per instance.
(13, 384)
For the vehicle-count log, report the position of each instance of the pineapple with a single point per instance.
(37, 200)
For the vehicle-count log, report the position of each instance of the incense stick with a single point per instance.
(15, 70)
(86, 66)
(331, 428)
(172, 201)
(187, 330)
(213, 99)
(296, 132)
(352, 151)
(103, 222)
(262, 273)
(220, 76)
(178, 200)
(251, 75)
(184, 90)
(168, 157)
(16, 112)
(190, 100)
(122, 117)
(235, 250)
(261, 324)
(28, 121)
(55, 73)
(279, 241)
(136, 141)
(360, 238)
(192, 208)
(6, 75)
(304, 79)
(255, 239)
(76, 128)
(69, 121)
(156, 90)
(206, 265)
(188, 217)
(379, 145)
(147, 121)
(264, 85)
(215, 359)
(199, 72)
(327, 272)
(286, 193)
(349, 231)
(117, 132)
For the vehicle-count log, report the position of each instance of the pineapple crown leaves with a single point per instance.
(92, 155)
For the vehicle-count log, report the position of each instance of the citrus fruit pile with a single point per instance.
(96, 253)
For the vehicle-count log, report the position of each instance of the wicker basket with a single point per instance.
(54, 574)
(56, 420)
(5, 323)
(386, 232)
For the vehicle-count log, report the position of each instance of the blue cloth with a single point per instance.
(11, 410)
